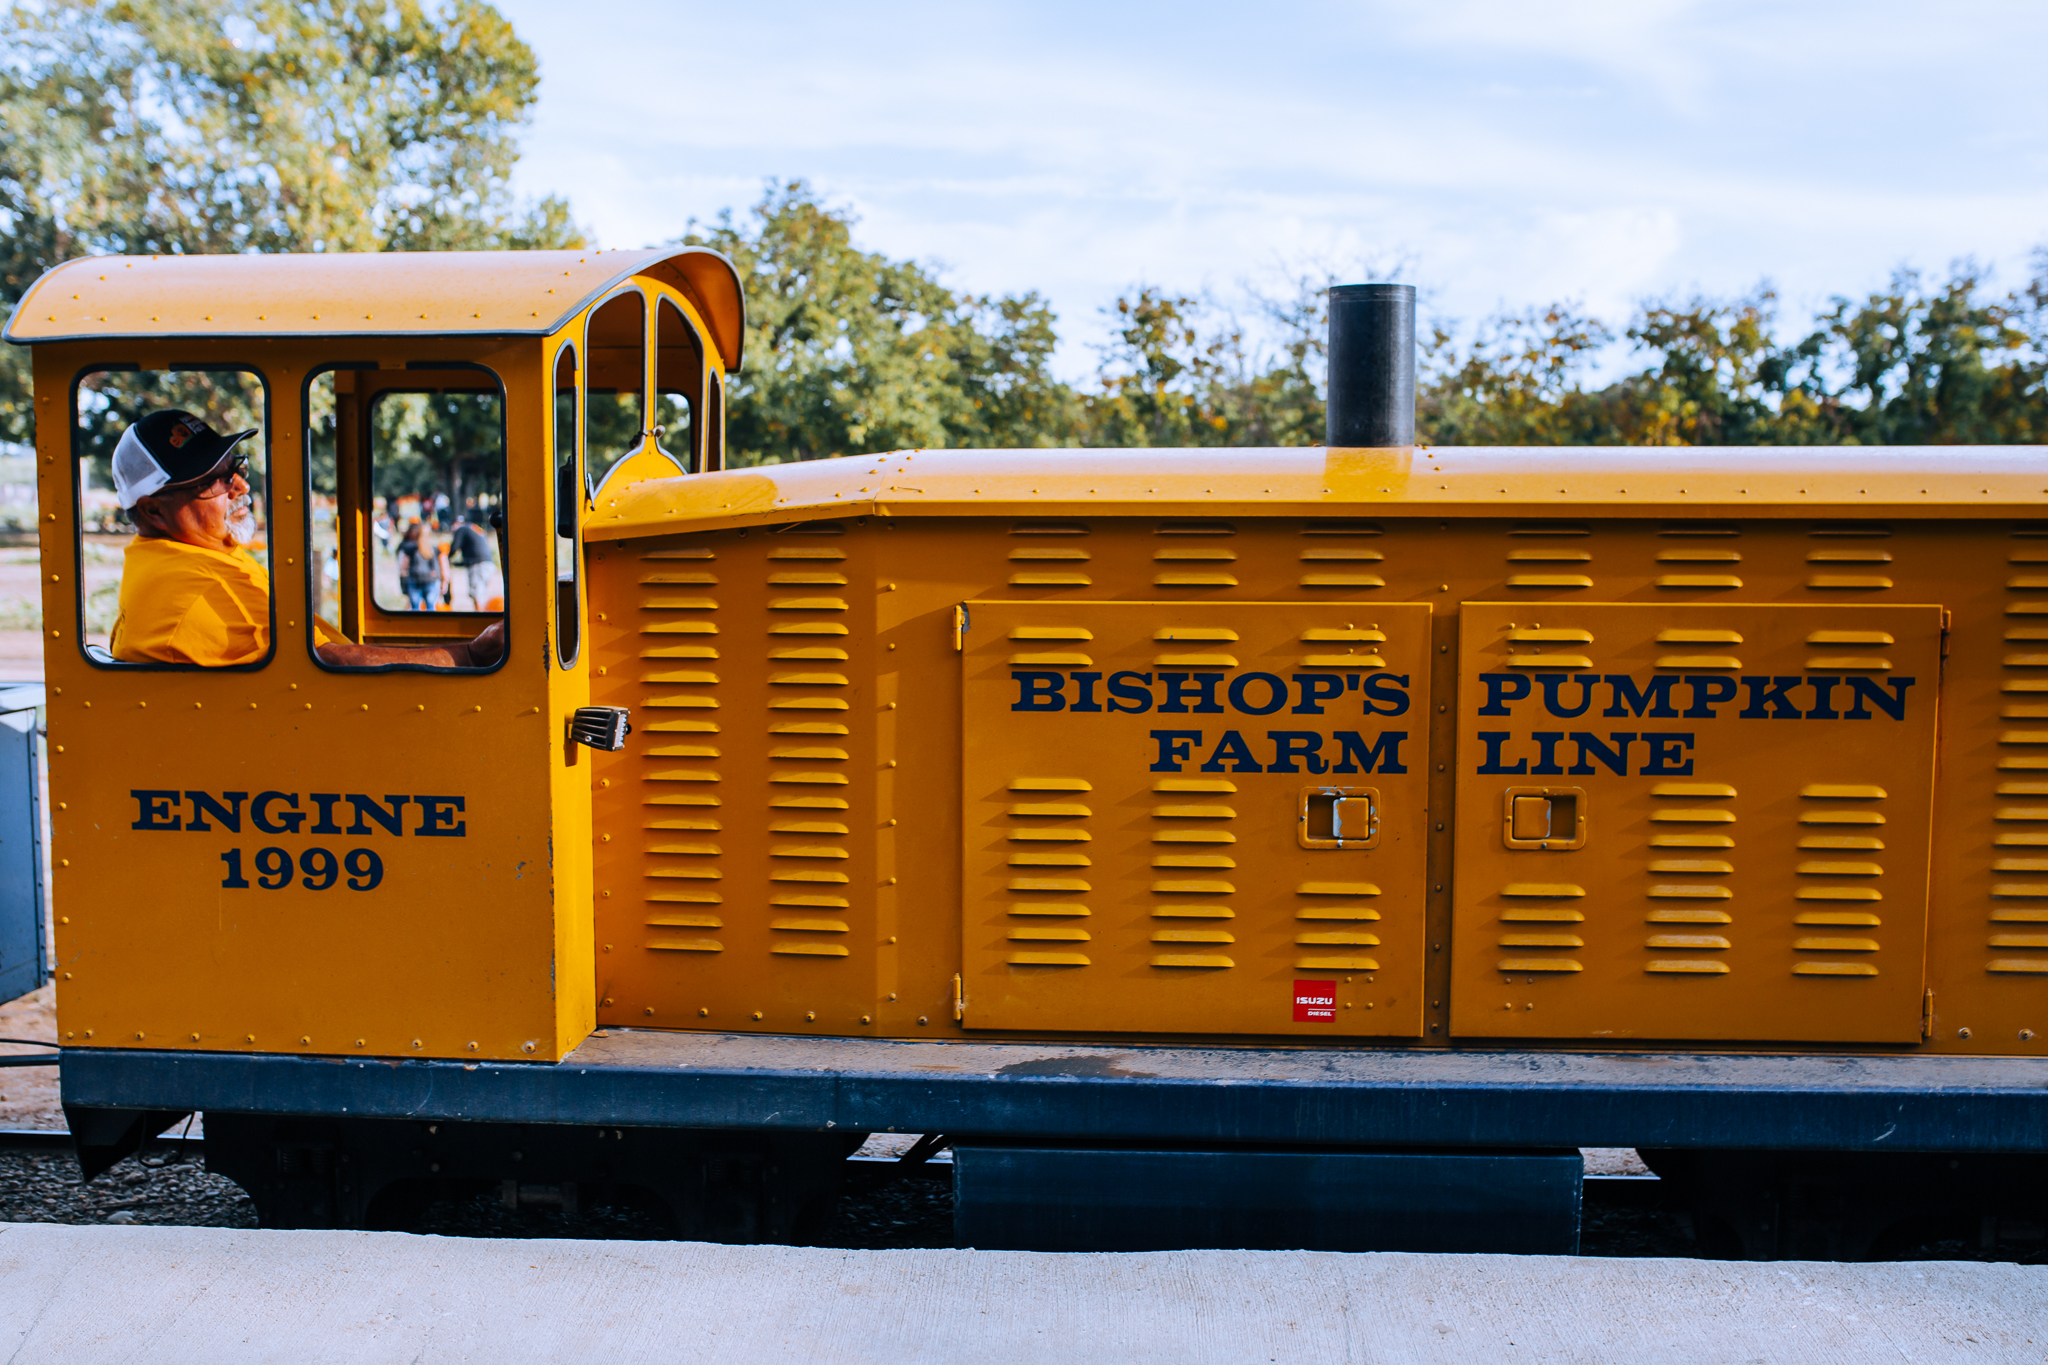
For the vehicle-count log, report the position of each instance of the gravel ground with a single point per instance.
(171, 1187)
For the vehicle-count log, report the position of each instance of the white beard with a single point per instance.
(242, 521)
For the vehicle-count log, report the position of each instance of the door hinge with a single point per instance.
(959, 628)
(959, 999)
(1947, 619)
(1926, 1014)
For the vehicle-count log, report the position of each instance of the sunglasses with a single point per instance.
(223, 482)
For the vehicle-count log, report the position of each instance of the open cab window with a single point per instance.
(405, 498)
(181, 577)
(678, 388)
(614, 403)
(568, 510)
(713, 422)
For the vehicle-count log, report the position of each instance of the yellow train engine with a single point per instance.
(1306, 846)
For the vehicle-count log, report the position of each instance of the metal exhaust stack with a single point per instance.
(1372, 365)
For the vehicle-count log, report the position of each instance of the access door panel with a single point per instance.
(1204, 818)
(1693, 822)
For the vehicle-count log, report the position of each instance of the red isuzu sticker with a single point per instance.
(1315, 1002)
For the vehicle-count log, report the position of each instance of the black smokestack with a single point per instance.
(1372, 365)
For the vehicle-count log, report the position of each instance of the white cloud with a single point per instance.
(1514, 153)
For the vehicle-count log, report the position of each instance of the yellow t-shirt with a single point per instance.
(186, 604)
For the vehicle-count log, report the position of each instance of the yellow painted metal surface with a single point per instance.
(1754, 799)
(294, 859)
(913, 749)
(462, 935)
(1312, 481)
(817, 825)
(737, 870)
(1148, 839)
(361, 294)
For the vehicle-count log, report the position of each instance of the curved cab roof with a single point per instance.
(362, 294)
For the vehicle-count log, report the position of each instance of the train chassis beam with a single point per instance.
(741, 1135)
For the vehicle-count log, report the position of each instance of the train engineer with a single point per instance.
(191, 593)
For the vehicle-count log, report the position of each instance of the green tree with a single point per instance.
(1002, 352)
(850, 351)
(1918, 365)
(1160, 375)
(257, 125)
(1515, 383)
(1182, 372)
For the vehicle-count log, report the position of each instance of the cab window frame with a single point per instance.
(714, 418)
(567, 652)
(270, 519)
(365, 610)
(691, 460)
(585, 356)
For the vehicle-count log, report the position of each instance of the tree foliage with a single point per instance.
(257, 125)
(849, 351)
(1917, 363)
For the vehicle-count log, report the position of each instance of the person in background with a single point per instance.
(474, 549)
(191, 593)
(419, 567)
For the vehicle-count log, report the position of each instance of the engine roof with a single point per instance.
(362, 294)
(1836, 483)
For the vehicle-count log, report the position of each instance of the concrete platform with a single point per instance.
(169, 1295)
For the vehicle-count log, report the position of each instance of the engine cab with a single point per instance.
(289, 855)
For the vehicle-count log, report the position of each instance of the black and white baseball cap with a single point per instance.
(166, 449)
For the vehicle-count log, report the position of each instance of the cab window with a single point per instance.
(615, 354)
(714, 423)
(568, 508)
(173, 560)
(437, 483)
(678, 387)
(405, 500)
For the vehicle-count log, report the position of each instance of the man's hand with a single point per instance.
(488, 647)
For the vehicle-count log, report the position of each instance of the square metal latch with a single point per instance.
(1551, 818)
(1340, 817)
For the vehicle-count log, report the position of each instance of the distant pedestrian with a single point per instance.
(419, 568)
(474, 550)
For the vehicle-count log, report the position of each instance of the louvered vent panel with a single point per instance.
(1844, 562)
(1341, 555)
(809, 905)
(2018, 941)
(1749, 788)
(1840, 870)
(1549, 557)
(1692, 842)
(1143, 788)
(677, 708)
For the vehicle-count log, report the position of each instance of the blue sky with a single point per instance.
(1507, 154)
